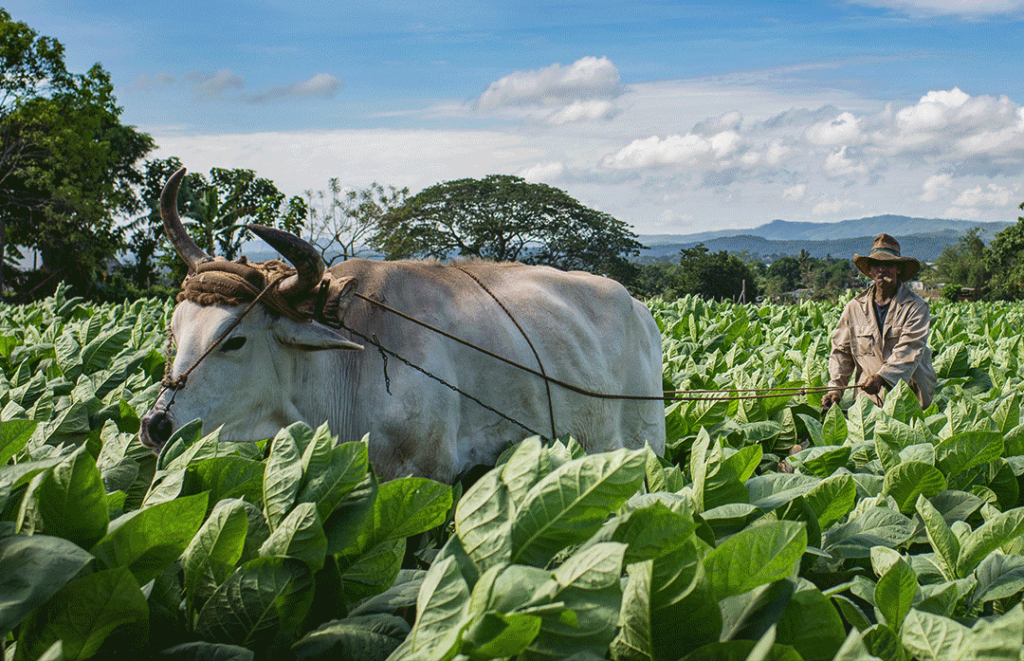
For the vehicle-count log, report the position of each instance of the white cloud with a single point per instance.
(583, 110)
(687, 150)
(795, 193)
(992, 196)
(842, 130)
(582, 91)
(966, 8)
(586, 78)
(543, 172)
(837, 164)
(935, 187)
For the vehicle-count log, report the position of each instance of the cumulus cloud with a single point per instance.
(690, 149)
(795, 193)
(936, 187)
(945, 130)
(583, 90)
(992, 196)
(543, 172)
(844, 129)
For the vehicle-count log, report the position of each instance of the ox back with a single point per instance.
(587, 331)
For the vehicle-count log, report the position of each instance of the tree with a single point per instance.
(717, 275)
(963, 263)
(67, 164)
(340, 224)
(1005, 261)
(783, 275)
(214, 210)
(505, 218)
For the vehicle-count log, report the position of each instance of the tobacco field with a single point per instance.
(898, 534)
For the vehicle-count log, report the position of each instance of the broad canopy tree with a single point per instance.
(67, 164)
(505, 218)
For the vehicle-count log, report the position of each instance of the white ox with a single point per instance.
(271, 370)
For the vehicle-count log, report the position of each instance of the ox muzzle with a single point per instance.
(157, 427)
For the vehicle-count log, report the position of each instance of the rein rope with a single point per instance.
(668, 395)
(177, 383)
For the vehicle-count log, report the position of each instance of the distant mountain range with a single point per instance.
(923, 238)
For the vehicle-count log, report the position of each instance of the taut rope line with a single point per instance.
(669, 395)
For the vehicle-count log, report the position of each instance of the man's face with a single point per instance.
(885, 275)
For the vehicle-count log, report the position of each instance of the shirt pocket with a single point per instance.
(864, 338)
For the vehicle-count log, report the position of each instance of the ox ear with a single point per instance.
(311, 337)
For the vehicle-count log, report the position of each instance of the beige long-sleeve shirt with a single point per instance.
(858, 344)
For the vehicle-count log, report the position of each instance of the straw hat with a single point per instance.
(887, 249)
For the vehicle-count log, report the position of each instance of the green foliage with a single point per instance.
(898, 534)
(1003, 260)
(719, 276)
(68, 165)
(505, 218)
(963, 263)
(339, 223)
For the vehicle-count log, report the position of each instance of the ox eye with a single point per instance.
(234, 344)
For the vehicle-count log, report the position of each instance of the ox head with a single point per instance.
(247, 369)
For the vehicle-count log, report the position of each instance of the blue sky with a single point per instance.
(676, 117)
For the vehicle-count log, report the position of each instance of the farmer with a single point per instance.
(882, 334)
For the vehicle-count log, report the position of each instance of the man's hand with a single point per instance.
(871, 384)
(830, 398)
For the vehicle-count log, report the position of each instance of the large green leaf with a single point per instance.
(929, 637)
(441, 615)
(833, 427)
(999, 576)
(811, 625)
(483, 520)
(568, 505)
(877, 526)
(716, 481)
(14, 436)
(300, 535)
(214, 550)
(992, 534)
(403, 507)
(832, 499)
(589, 586)
(282, 477)
(966, 450)
(895, 593)
(326, 483)
(226, 477)
(755, 556)
(260, 605)
(72, 500)
(355, 638)
(153, 538)
(83, 614)
(32, 569)
(911, 479)
(942, 539)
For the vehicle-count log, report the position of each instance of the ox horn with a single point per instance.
(186, 248)
(304, 257)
